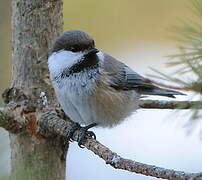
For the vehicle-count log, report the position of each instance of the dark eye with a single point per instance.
(73, 49)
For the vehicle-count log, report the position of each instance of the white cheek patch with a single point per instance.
(58, 61)
(83, 81)
(101, 57)
(62, 59)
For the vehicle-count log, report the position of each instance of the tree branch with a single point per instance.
(8, 121)
(50, 124)
(156, 104)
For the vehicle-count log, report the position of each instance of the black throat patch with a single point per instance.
(90, 62)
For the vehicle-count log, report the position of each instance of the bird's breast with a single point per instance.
(95, 101)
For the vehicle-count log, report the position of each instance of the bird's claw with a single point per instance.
(83, 132)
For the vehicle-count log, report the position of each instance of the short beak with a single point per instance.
(91, 52)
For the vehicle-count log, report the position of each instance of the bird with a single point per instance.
(92, 87)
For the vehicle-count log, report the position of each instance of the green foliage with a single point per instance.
(190, 46)
(189, 59)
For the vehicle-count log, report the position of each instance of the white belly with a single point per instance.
(86, 105)
(76, 106)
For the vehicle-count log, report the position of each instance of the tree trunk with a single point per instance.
(35, 24)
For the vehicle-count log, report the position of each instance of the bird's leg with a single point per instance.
(75, 126)
(83, 132)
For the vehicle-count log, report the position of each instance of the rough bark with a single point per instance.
(35, 24)
(8, 121)
(160, 104)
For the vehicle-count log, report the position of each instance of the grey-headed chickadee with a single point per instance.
(92, 87)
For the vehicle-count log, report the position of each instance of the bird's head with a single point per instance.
(73, 51)
(75, 41)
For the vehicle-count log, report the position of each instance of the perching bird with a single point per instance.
(92, 87)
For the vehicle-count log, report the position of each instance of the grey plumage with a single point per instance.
(124, 78)
(73, 41)
(92, 86)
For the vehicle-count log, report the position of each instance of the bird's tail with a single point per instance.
(162, 92)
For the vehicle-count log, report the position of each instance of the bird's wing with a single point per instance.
(124, 78)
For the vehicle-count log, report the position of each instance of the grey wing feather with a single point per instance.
(130, 80)
(124, 78)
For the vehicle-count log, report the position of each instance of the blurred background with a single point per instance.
(135, 32)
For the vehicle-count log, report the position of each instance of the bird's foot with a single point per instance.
(83, 131)
(71, 130)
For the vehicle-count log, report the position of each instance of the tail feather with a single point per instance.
(162, 92)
